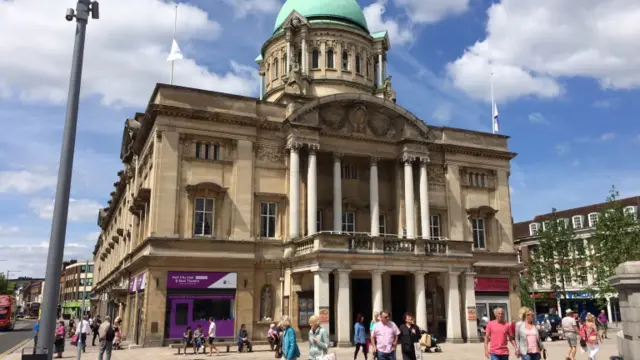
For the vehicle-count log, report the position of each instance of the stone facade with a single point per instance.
(627, 282)
(307, 199)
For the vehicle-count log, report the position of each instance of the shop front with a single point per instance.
(137, 285)
(492, 293)
(194, 297)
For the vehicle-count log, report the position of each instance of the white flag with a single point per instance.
(496, 123)
(175, 53)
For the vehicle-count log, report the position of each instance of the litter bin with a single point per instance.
(28, 354)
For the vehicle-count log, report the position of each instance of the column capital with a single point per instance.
(343, 271)
(420, 272)
(470, 273)
(313, 148)
(407, 159)
(337, 156)
(377, 271)
(321, 271)
(294, 146)
(373, 160)
(424, 159)
(261, 73)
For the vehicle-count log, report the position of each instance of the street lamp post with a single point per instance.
(63, 188)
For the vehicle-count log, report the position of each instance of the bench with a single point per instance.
(228, 343)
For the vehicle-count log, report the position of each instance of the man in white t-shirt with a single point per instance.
(212, 336)
(82, 330)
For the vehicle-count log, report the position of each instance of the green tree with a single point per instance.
(559, 258)
(526, 299)
(4, 285)
(615, 241)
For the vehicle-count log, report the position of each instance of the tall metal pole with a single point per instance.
(175, 27)
(493, 106)
(81, 344)
(61, 207)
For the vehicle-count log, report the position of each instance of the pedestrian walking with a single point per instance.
(497, 337)
(95, 325)
(318, 339)
(591, 336)
(384, 338)
(212, 337)
(528, 340)
(82, 330)
(290, 350)
(59, 342)
(570, 331)
(410, 335)
(603, 320)
(360, 337)
(106, 334)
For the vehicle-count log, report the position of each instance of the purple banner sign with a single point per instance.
(140, 282)
(132, 285)
(201, 280)
(193, 297)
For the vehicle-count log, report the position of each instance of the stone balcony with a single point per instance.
(364, 243)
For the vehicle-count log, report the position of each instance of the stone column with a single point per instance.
(373, 198)
(470, 302)
(376, 290)
(408, 197)
(305, 64)
(627, 282)
(609, 316)
(312, 191)
(454, 327)
(337, 192)
(424, 199)
(321, 293)
(262, 74)
(294, 191)
(288, 65)
(380, 70)
(421, 300)
(344, 309)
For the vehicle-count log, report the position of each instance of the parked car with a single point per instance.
(554, 320)
(20, 315)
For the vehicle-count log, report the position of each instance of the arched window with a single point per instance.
(358, 69)
(266, 303)
(299, 57)
(315, 59)
(368, 68)
(275, 68)
(330, 63)
(345, 60)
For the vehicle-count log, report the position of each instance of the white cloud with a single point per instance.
(4, 230)
(79, 210)
(563, 148)
(29, 255)
(125, 54)
(538, 118)
(244, 7)
(398, 34)
(25, 182)
(533, 44)
(607, 136)
(604, 104)
(427, 12)
(443, 113)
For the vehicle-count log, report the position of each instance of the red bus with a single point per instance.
(8, 312)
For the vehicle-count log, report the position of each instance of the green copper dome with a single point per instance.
(347, 11)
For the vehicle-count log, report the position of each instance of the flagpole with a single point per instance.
(493, 106)
(175, 26)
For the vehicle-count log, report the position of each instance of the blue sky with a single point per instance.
(566, 83)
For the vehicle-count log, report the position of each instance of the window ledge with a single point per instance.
(220, 161)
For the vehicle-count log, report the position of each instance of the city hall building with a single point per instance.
(322, 196)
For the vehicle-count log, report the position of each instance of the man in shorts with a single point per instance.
(570, 330)
(212, 337)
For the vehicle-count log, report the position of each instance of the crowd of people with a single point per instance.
(79, 330)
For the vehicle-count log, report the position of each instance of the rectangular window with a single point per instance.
(382, 222)
(434, 232)
(203, 217)
(349, 172)
(348, 221)
(593, 219)
(182, 314)
(268, 220)
(577, 222)
(478, 229)
(218, 309)
(216, 152)
(319, 214)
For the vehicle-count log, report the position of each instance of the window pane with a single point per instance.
(264, 209)
(207, 150)
(198, 223)
(209, 205)
(182, 314)
(199, 204)
(198, 150)
(219, 309)
(263, 226)
(208, 223)
(271, 226)
(272, 209)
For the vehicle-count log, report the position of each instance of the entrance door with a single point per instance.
(181, 311)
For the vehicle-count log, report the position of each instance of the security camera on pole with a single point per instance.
(84, 8)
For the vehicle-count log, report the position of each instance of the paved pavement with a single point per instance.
(22, 332)
(556, 350)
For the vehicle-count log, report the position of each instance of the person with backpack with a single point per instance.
(95, 325)
(107, 333)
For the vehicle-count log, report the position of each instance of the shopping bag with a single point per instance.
(331, 356)
(74, 340)
(418, 350)
(425, 340)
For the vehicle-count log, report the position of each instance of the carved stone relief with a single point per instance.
(380, 124)
(358, 119)
(333, 117)
(269, 153)
(435, 174)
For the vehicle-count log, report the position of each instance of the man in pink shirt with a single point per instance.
(384, 337)
(497, 337)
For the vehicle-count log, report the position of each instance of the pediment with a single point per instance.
(360, 115)
(294, 20)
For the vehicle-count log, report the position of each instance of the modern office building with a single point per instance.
(76, 284)
(323, 196)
